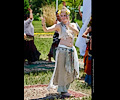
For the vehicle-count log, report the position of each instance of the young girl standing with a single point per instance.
(30, 51)
(66, 64)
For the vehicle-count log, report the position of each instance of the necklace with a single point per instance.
(64, 25)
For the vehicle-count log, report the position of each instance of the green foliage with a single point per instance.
(26, 6)
(79, 22)
(37, 5)
(73, 5)
(36, 17)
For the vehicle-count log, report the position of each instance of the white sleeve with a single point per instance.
(27, 22)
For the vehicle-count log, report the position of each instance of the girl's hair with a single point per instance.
(26, 16)
(64, 9)
(57, 12)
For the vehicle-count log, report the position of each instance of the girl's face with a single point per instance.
(64, 17)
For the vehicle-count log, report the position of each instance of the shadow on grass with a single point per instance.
(39, 66)
(53, 96)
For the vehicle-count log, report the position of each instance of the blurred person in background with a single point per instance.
(56, 40)
(30, 51)
(88, 54)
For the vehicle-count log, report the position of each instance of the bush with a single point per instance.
(26, 6)
(36, 17)
(49, 14)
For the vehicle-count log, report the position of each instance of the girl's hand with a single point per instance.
(24, 35)
(79, 7)
(30, 10)
(43, 20)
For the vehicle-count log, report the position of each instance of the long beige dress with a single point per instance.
(66, 65)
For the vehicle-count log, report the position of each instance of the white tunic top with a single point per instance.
(28, 27)
(65, 33)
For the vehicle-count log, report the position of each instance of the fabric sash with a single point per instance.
(76, 65)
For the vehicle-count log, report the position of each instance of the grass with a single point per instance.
(43, 46)
(43, 77)
(38, 27)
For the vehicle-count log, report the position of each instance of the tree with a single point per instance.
(26, 6)
(37, 4)
(73, 5)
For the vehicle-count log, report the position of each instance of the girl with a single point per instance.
(88, 54)
(66, 62)
(30, 51)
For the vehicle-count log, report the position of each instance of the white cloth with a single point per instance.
(28, 27)
(81, 42)
(76, 66)
(58, 22)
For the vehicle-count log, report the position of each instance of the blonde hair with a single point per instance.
(64, 10)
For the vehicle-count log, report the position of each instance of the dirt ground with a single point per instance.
(40, 92)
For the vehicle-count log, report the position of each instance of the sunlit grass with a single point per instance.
(43, 77)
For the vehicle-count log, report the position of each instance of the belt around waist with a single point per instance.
(29, 38)
(29, 35)
(65, 48)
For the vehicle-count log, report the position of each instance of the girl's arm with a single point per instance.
(73, 27)
(27, 22)
(49, 29)
(30, 19)
(80, 11)
(31, 15)
(86, 32)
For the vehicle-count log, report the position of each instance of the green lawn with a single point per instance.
(37, 27)
(43, 46)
